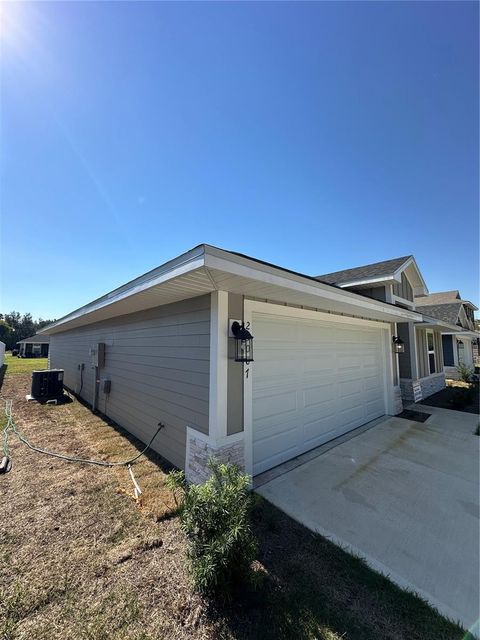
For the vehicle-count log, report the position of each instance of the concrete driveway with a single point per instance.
(404, 496)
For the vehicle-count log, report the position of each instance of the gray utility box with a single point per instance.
(47, 384)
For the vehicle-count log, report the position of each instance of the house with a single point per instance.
(172, 346)
(34, 347)
(458, 347)
(399, 282)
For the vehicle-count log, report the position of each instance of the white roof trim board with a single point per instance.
(205, 269)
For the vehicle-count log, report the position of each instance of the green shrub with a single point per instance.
(216, 518)
(465, 372)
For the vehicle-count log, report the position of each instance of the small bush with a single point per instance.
(465, 372)
(216, 518)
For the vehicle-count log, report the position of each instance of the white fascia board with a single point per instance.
(423, 289)
(462, 332)
(434, 323)
(189, 261)
(245, 268)
(359, 283)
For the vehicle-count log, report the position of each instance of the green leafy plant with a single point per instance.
(216, 518)
(465, 372)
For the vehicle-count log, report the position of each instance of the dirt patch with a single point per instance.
(459, 396)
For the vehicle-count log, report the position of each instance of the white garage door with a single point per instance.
(312, 381)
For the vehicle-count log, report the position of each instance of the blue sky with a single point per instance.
(317, 136)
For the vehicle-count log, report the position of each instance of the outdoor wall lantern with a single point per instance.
(398, 345)
(243, 343)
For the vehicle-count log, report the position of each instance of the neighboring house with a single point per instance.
(458, 347)
(34, 347)
(161, 349)
(400, 283)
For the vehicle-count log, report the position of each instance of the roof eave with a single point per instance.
(216, 269)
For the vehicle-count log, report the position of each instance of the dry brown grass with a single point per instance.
(81, 560)
(78, 558)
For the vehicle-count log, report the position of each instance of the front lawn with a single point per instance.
(81, 559)
(16, 365)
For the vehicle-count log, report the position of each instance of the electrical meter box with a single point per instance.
(98, 354)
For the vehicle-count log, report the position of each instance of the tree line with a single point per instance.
(14, 327)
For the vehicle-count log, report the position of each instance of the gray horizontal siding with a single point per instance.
(158, 361)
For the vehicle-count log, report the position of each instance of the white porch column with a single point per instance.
(217, 421)
(412, 346)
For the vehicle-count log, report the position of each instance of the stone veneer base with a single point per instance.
(200, 448)
(397, 401)
(429, 385)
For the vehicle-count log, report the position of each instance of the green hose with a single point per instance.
(12, 427)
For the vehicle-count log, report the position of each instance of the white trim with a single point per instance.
(423, 284)
(359, 283)
(437, 374)
(410, 303)
(430, 351)
(217, 406)
(163, 274)
(252, 306)
(277, 276)
(212, 258)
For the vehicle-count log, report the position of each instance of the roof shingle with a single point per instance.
(375, 270)
(445, 312)
(442, 297)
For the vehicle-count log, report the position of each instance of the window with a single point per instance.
(431, 351)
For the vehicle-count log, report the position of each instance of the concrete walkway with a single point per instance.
(404, 496)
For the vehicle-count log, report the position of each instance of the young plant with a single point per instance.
(465, 372)
(216, 518)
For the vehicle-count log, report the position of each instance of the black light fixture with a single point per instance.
(243, 343)
(398, 345)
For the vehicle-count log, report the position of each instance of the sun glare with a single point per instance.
(14, 24)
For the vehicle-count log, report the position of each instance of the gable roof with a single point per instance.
(445, 312)
(442, 297)
(36, 339)
(376, 270)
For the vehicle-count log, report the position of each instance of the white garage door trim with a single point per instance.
(251, 307)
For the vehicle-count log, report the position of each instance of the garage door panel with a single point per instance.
(321, 363)
(317, 432)
(350, 402)
(317, 396)
(351, 387)
(314, 334)
(274, 404)
(375, 408)
(314, 382)
(352, 417)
